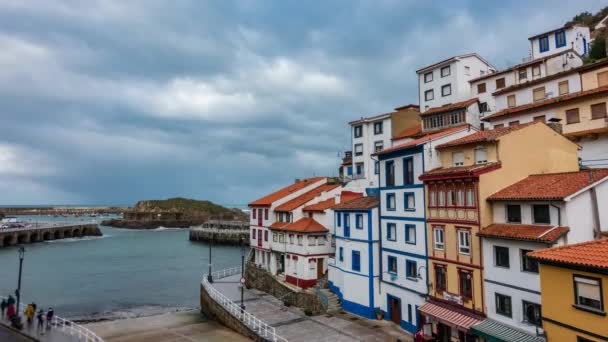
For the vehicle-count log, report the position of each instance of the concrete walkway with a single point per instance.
(292, 324)
(7, 335)
(44, 335)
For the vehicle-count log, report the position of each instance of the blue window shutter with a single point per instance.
(409, 313)
(339, 219)
(407, 233)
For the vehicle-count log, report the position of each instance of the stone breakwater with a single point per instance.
(150, 224)
(11, 237)
(221, 232)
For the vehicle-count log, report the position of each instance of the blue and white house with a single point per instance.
(355, 272)
(403, 245)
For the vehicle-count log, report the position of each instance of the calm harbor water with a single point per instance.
(123, 273)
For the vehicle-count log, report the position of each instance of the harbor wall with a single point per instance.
(11, 237)
(221, 232)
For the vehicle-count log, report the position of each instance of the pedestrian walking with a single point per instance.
(40, 318)
(29, 313)
(10, 312)
(49, 318)
(35, 307)
(3, 306)
(11, 300)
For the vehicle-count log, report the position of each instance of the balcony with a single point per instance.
(463, 214)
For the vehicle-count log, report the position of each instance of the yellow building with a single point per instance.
(573, 282)
(473, 168)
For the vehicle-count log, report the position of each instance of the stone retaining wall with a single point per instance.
(221, 232)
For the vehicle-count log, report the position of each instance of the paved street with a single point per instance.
(294, 325)
(7, 335)
(52, 335)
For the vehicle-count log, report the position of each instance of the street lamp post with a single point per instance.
(242, 273)
(18, 292)
(209, 277)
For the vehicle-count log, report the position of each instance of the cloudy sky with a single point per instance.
(108, 102)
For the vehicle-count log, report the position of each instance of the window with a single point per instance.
(291, 239)
(300, 240)
(346, 221)
(265, 235)
(528, 264)
(311, 241)
(358, 131)
(390, 202)
(466, 284)
(572, 116)
(514, 123)
(481, 155)
(358, 149)
(411, 269)
(514, 213)
(349, 170)
(536, 70)
(540, 118)
(511, 101)
(602, 78)
(464, 242)
(441, 198)
(392, 264)
(338, 219)
(410, 234)
(408, 171)
(446, 90)
(376, 168)
(440, 278)
(391, 232)
(457, 159)
(341, 254)
(532, 313)
(560, 38)
(541, 213)
(359, 169)
(253, 212)
(481, 88)
(523, 74)
(483, 107)
(588, 293)
(409, 201)
(467, 70)
(253, 231)
(428, 77)
(378, 146)
(445, 71)
(598, 111)
(503, 305)
(359, 221)
(499, 126)
(378, 126)
(321, 241)
(538, 93)
(563, 87)
(501, 256)
(460, 198)
(432, 198)
(356, 261)
(470, 197)
(428, 95)
(390, 173)
(450, 198)
(275, 237)
(265, 214)
(500, 83)
(543, 43)
(438, 238)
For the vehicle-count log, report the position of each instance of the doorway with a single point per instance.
(282, 264)
(444, 333)
(319, 268)
(394, 309)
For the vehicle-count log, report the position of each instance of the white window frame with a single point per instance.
(429, 98)
(428, 79)
(357, 147)
(460, 161)
(481, 154)
(438, 238)
(464, 245)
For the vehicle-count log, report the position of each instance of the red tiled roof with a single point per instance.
(526, 232)
(277, 225)
(550, 186)
(411, 105)
(487, 135)
(585, 132)
(448, 107)
(459, 171)
(424, 139)
(267, 200)
(449, 315)
(358, 203)
(346, 196)
(305, 197)
(305, 225)
(548, 102)
(321, 206)
(589, 254)
(409, 132)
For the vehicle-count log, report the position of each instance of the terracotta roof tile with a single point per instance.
(305, 197)
(320, 206)
(487, 135)
(277, 225)
(409, 133)
(459, 171)
(550, 186)
(448, 107)
(548, 102)
(590, 254)
(346, 195)
(424, 139)
(526, 232)
(267, 200)
(305, 225)
(411, 106)
(358, 203)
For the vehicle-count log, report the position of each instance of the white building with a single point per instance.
(447, 81)
(403, 246)
(535, 213)
(354, 272)
(575, 37)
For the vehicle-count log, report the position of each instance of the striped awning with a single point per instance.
(495, 331)
(455, 318)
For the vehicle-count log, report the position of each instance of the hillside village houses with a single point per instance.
(437, 206)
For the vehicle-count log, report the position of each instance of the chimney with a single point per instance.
(554, 124)
(297, 180)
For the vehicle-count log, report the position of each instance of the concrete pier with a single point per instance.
(42, 232)
(221, 232)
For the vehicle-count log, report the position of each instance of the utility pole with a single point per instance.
(209, 277)
(242, 274)
(18, 292)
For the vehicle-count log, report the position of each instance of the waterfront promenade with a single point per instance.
(292, 324)
(52, 335)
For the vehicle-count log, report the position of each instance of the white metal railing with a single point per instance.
(256, 325)
(68, 327)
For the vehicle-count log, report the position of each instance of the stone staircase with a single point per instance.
(333, 302)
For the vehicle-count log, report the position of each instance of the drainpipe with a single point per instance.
(559, 214)
(597, 232)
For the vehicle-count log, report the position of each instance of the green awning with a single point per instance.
(494, 331)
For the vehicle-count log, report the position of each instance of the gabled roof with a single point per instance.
(305, 225)
(450, 107)
(565, 27)
(548, 102)
(267, 200)
(587, 254)
(409, 133)
(321, 206)
(483, 136)
(550, 186)
(372, 118)
(459, 171)
(358, 203)
(451, 59)
(411, 105)
(346, 195)
(524, 232)
(425, 139)
(277, 225)
(305, 197)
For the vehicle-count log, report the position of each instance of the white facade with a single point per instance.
(453, 74)
(366, 139)
(573, 37)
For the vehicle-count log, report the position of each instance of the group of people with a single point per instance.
(8, 307)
